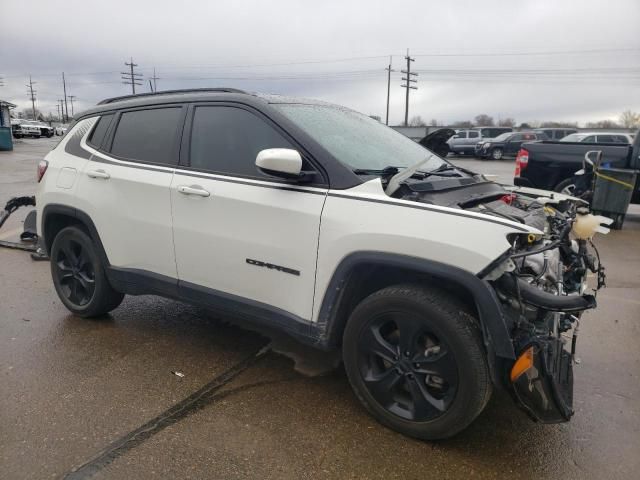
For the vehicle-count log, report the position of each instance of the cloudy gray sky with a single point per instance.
(528, 59)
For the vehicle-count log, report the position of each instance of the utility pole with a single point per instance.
(131, 78)
(154, 78)
(408, 81)
(66, 107)
(31, 93)
(61, 110)
(388, 69)
(71, 97)
(58, 109)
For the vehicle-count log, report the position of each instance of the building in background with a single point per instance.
(6, 140)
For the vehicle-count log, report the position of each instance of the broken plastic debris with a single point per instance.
(178, 374)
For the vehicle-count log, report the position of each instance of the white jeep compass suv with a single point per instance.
(436, 283)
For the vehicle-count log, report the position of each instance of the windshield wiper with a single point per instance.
(370, 171)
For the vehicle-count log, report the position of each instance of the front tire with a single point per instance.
(79, 276)
(415, 360)
(497, 153)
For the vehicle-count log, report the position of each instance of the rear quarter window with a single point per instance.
(100, 131)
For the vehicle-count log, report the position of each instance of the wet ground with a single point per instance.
(103, 398)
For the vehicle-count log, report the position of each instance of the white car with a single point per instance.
(437, 284)
(25, 128)
(61, 130)
(599, 137)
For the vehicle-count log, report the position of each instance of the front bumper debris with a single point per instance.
(545, 389)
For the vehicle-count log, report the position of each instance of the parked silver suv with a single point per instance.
(464, 141)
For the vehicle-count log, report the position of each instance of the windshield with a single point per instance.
(574, 137)
(503, 137)
(356, 140)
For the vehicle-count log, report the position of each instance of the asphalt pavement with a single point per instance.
(167, 390)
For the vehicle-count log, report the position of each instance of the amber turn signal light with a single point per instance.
(523, 363)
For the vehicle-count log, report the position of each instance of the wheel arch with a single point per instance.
(362, 273)
(55, 217)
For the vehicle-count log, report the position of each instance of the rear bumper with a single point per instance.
(545, 391)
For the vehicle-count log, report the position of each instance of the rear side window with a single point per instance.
(228, 139)
(100, 131)
(148, 135)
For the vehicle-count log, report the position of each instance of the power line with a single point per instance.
(154, 78)
(66, 106)
(408, 81)
(389, 70)
(71, 97)
(515, 54)
(131, 78)
(32, 94)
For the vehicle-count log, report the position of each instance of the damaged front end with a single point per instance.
(542, 284)
(540, 281)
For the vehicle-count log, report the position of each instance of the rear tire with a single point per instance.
(566, 186)
(79, 276)
(415, 360)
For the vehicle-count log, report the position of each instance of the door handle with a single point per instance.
(193, 190)
(99, 174)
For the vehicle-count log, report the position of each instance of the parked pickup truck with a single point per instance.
(550, 165)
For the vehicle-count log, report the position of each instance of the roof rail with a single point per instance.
(170, 92)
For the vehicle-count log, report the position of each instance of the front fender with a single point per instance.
(494, 327)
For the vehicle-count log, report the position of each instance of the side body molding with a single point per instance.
(494, 328)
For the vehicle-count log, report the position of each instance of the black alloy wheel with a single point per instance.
(75, 272)
(79, 274)
(408, 368)
(415, 359)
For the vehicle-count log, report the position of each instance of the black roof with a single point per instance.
(192, 95)
(170, 96)
(170, 92)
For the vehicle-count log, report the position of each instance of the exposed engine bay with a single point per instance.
(541, 281)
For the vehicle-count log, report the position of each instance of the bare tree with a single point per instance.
(603, 124)
(630, 119)
(506, 122)
(417, 121)
(462, 124)
(484, 120)
(28, 113)
(559, 124)
(434, 123)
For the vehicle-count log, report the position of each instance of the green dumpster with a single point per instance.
(612, 193)
(6, 141)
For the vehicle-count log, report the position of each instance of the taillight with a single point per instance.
(522, 160)
(42, 168)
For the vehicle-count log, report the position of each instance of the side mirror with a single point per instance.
(280, 162)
